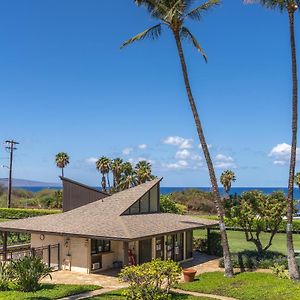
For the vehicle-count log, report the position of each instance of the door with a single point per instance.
(145, 251)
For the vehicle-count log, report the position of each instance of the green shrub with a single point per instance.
(252, 260)
(4, 276)
(169, 206)
(280, 271)
(212, 246)
(22, 213)
(150, 281)
(27, 272)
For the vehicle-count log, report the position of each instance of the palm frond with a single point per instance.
(282, 5)
(186, 34)
(156, 8)
(153, 32)
(196, 13)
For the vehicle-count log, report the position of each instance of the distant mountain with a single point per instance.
(28, 183)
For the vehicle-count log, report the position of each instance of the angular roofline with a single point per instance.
(83, 185)
(158, 182)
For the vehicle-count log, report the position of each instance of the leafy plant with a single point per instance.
(280, 271)
(150, 281)
(4, 276)
(27, 272)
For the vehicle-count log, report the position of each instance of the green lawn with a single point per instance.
(49, 291)
(116, 295)
(245, 286)
(238, 242)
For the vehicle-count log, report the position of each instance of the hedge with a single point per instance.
(22, 213)
(251, 260)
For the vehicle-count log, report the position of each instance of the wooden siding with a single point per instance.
(76, 195)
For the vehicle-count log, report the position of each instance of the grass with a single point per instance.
(49, 291)
(238, 242)
(245, 286)
(116, 295)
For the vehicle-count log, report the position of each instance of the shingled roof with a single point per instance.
(103, 219)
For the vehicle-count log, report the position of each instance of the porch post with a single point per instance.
(208, 241)
(184, 245)
(5, 246)
(125, 249)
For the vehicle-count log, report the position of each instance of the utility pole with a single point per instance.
(10, 148)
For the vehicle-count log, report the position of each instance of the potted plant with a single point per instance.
(189, 274)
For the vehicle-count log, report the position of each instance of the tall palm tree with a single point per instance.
(143, 171)
(128, 179)
(290, 6)
(172, 14)
(102, 165)
(226, 179)
(62, 159)
(116, 167)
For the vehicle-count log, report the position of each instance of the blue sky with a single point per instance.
(66, 86)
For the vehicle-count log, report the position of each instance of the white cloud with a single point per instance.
(196, 157)
(223, 162)
(127, 151)
(281, 153)
(182, 154)
(224, 158)
(91, 160)
(181, 164)
(142, 146)
(181, 142)
(136, 160)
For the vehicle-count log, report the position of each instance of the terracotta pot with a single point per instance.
(189, 274)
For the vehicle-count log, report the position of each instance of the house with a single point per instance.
(97, 231)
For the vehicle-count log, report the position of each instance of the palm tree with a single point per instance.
(128, 178)
(226, 179)
(102, 165)
(116, 167)
(297, 179)
(290, 6)
(62, 159)
(172, 14)
(143, 171)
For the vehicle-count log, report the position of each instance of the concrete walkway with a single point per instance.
(202, 295)
(88, 294)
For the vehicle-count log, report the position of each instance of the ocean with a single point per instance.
(168, 190)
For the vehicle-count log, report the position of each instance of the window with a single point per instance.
(149, 203)
(189, 244)
(145, 203)
(154, 199)
(100, 246)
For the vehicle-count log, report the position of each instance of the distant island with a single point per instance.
(28, 183)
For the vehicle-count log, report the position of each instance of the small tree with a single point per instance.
(150, 281)
(257, 213)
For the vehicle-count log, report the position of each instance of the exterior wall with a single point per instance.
(77, 248)
(76, 195)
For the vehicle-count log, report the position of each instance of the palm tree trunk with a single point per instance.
(293, 268)
(217, 197)
(62, 172)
